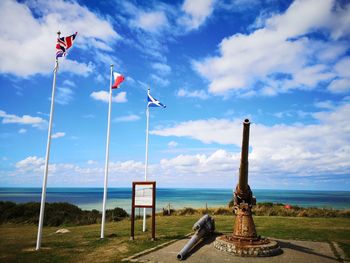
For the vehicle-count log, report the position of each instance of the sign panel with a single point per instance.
(143, 194)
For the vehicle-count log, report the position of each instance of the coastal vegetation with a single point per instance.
(83, 243)
(266, 209)
(18, 229)
(57, 214)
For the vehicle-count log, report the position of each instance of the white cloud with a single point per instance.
(342, 67)
(172, 144)
(281, 56)
(151, 21)
(218, 162)
(64, 95)
(73, 66)
(162, 68)
(38, 47)
(208, 131)
(69, 83)
(196, 12)
(31, 163)
(120, 97)
(36, 122)
(130, 80)
(327, 104)
(21, 131)
(302, 150)
(58, 135)
(121, 173)
(104, 96)
(201, 94)
(161, 81)
(340, 85)
(127, 118)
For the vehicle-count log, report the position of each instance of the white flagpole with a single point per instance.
(48, 145)
(146, 164)
(107, 157)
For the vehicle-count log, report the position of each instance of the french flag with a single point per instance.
(118, 78)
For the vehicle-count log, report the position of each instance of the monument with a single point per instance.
(244, 240)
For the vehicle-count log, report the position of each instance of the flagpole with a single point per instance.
(107, 156)
(146, 164)
(48, 146)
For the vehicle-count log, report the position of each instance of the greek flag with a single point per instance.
(152, 102)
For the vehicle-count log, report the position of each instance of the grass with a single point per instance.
(82, 244)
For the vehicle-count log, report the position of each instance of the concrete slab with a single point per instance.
(293, 251)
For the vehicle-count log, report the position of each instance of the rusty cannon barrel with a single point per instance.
(203, 227)
(243, 170)
(243, 194)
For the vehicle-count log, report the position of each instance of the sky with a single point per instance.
(285, 65)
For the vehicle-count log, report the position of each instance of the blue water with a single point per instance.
(91, 198)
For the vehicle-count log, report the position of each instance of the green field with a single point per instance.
(82, 244)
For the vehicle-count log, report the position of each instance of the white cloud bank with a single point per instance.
(302, 150)
(25, 53)
(30, 170)
(282, 156)
(282, 55)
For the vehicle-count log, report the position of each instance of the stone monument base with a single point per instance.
(261, 247)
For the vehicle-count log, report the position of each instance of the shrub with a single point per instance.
(223, 211)
(187, 211)
(116, 214)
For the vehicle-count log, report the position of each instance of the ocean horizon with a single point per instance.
(91, 198)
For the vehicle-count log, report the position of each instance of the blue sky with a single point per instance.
(282, 64)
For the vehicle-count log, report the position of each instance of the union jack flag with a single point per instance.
(63, 44)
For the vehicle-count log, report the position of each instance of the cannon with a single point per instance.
(243, 194)
(244, 240)
(243, 197)
(203, 227)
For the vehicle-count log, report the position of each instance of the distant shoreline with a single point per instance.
(171, 188)
(91, 198)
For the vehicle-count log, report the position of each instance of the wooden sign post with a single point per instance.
(143, 196)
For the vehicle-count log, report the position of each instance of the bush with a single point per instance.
(223, 211)
(116, 214)
(187, 211)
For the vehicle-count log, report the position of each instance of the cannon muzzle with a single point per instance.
(203, 227)
(243, 170)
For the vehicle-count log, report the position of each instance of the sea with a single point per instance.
(91, 198)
